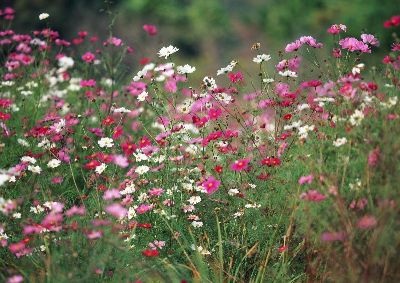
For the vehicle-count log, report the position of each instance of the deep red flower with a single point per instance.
(150, 253)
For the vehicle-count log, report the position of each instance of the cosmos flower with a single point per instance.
(167, 51)
(211, 184)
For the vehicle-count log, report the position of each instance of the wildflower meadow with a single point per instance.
(156, 171)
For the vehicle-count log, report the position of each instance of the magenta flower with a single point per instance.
(150, 29)
(239, 165)
(88, 57)
(211, 184)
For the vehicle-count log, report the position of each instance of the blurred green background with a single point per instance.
(209, 32)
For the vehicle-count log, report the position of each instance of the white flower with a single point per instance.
(65, 62)
(121, 110)
(200, 249)
(252, 205)
(43, 16)
(233, 192)
(106, 142)
(209, 82)
(261, 58)
(17, 215)
(303, 131)
(186, 69)
(238, 214)
(356, 118)
(28, 159)
(58, 127)
(268, 80)
(227, 69)
(167, 51)
(288, 73)
(129, 189)
(142, 96)
(140, 156)
(131, 213)
(194, 200)
(23, 142)
(35, 169)
(357, 69)
(100, 169)
(340, 142)
(197, 224)
(4, 178)
(53, 163)
(142, 169)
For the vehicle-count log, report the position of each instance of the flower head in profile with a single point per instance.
(150, 29)
(186, 69)
(167, 51)
(211, 184)
(43, 16)
(261, 58)
(336, 29)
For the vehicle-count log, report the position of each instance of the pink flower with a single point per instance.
(156, 191)
(214, 113)
(352, 44)
(88, 57)
(366, 222)
(239, 165)
(75, 210)
(170, 86)
(309, 40)
(373, 157)
(370, 39)
(113, 41)
(211, 184)
(336, 29)
(120, 161)
(116, 210)
(306, 179)
(143, 208)
(111, 194)
(94, 234)
(313, 195)
(15, 279)
(150, 29)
